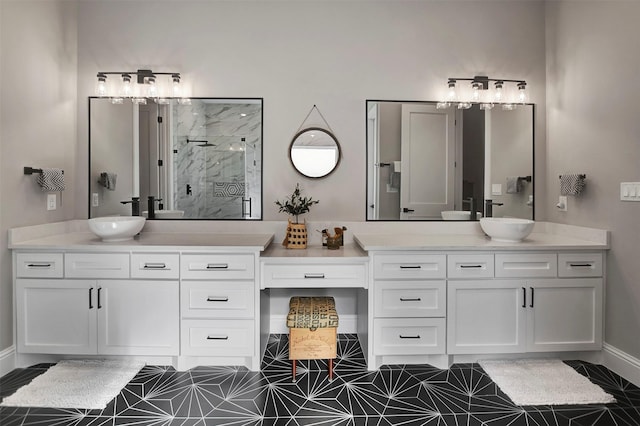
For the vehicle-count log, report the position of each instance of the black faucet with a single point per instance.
(151, 206)
(135, 205)
(472, 207)
(488, 207)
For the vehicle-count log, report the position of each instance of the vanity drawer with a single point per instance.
(409, 336)
(409, 266)
(218, 266)
(579, 265)
(217, 338)
(410, 299)
(470, 266)
(323, 275)
(217, 299)
(155, 265)
(526, 265)
(96, 265)
(39, 265)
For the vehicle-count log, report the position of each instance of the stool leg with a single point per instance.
(293, 362)
(330, 369)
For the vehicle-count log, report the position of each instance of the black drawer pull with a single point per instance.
(410, 267)
(99, 304)
(154, 266)
(409, 337)
(90, 297)
(532, 293)
(524, 297)
(217, 266)
(39, 265)
(217, 299)
(414, 299)
(470, 266)
(320, 275)
(217, 337)
(581, 265)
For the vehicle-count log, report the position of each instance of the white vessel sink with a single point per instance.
(506, 229)
(458, 215)
(116, 228)
(165, 214)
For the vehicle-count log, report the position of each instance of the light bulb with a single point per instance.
(451, 91)
(498, 93)
(101, 86)
(152, 89)
(126, 86)
(522, 92)
(176, 85)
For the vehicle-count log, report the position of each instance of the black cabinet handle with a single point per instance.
(470, 266)
(581, 265)
(91, 298)
(217, 299)
(154, 266)
(532, 293)
(410, 266)
(407, 210)
(409, 337)
(99, 291)
(39, 265)
(320, 275)
(524, 297)
(217, 337)
(217, 266)
(415, 299)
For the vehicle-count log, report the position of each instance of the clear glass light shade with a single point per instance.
(452, 96)
(152, 87)
(475, 93)
(522, 96)
(125, 89)
(101, 86)
(498, 93)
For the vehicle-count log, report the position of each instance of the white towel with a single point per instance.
(515, 184)
(51, 180)
(108, 180)
(572, 184)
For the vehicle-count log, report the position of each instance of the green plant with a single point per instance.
(296, 204)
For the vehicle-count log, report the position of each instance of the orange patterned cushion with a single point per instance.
(312, 312)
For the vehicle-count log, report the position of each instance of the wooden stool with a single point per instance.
(313, 328)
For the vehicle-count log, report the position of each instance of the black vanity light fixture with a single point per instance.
(485, 91)
(147, 84)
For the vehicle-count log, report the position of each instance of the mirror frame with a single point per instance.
(367, 154)
(320, 129)
(261, 218)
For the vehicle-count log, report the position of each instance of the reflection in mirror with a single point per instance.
(314, 152)
(199, 159)
(425, 163)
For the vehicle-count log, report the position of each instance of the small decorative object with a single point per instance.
(333, 242)
(296, 205)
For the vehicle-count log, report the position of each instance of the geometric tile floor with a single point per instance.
(394, 395)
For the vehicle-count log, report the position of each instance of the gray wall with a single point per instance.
(38, 123)
(593, 128)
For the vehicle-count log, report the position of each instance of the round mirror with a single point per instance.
(314, 152)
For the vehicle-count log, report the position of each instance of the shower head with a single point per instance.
(200, 142)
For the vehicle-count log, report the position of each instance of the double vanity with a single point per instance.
(414, 293)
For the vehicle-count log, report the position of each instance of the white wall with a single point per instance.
(335, 54)
(593, 127)
(37, 121)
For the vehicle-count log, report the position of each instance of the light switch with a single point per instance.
(630, 191)
(496, 189)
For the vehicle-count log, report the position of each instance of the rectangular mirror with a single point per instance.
(200, 158)
(426, 163)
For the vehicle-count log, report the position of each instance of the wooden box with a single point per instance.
(305, 343)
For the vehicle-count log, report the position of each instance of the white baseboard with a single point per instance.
(347, 324)
(621, 363)
(7, 360)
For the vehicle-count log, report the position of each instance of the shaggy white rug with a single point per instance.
(83, 384)
(544, 382)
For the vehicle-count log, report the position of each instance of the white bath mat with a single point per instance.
(544, 382)
(83, 384)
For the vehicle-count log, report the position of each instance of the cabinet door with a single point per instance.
(56, 316)
(138, 317)
(564, 315)
(485, 317)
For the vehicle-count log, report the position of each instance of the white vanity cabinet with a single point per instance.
(529, 306)
(78, 309)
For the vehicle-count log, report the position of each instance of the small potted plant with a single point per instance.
(296, 205)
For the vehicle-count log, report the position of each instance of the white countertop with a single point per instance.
(151, 241)
(348, 251)
(535, 241)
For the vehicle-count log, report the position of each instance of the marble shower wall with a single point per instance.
(224, 172)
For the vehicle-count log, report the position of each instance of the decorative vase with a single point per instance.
(296, 237)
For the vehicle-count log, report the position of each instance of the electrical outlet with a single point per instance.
(51, 201)
(95, 200)
(562, 203)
